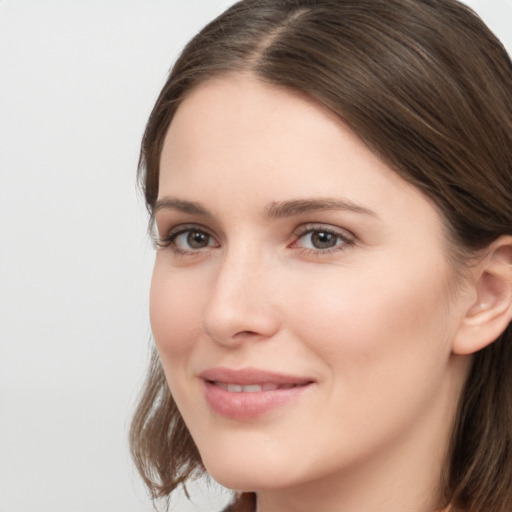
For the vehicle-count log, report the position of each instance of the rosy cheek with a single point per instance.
(350, 319)
(172, 315)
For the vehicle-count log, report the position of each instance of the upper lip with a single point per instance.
(246, 376)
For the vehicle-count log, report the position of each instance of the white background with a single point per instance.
(77, 82)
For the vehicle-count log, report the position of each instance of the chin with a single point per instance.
(242, 480)
(250, 474)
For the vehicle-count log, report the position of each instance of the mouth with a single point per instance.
(253, 388)
(249, 393)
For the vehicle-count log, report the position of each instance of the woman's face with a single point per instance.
(302, 301)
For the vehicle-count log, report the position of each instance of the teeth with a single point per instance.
(252, 388)
(270, 387)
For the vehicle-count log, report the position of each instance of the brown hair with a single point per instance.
(428, 88)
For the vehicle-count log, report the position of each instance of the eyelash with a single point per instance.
(169, 241)
(344, 239)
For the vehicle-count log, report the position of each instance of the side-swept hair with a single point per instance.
(428, 88)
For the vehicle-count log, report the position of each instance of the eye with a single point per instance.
(186, 239)
(323, 239)
(192, 240)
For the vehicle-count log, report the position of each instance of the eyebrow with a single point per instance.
(276, 210)
(171, 203)
(300, 206)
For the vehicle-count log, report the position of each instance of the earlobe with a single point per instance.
(491, 312)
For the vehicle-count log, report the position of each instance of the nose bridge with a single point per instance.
(240, 303)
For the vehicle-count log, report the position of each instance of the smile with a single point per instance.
(249, 393)
(252, 388)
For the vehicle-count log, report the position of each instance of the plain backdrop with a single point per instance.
(77, 81)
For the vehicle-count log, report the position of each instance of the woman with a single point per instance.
(330, 186)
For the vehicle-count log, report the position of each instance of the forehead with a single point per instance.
(238, 134)
(239, 121)
(236, 110)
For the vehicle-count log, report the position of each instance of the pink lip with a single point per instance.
(277, 390)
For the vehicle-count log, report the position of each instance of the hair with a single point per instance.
(428, 88)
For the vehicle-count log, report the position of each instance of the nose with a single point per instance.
(242, 305)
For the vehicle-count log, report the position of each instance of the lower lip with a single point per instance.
(248, 406)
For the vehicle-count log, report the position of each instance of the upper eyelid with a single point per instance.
(301, 228)
(181, 227)
(314, 226)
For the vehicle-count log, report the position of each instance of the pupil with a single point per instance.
(323, 240)
(197, 240)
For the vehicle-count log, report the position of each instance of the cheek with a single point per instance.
(357, 323)
(384, 344)
(175, 312)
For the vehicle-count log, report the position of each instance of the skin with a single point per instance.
(371, 320)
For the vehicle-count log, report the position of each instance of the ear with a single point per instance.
(491, 311)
